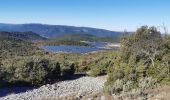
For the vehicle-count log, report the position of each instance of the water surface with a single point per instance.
(95, 46)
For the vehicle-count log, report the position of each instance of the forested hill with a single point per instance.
(84, 37)
(56, 30)
(28, 36)
(11, 47)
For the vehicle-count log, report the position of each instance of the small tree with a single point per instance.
(72, 68)
(68, 69)
(145, 43)
(55, 72)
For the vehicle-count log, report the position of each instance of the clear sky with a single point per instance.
(114, 15)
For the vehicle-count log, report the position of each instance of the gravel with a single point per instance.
(78, 87)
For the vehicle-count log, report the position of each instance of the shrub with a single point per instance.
(143, 62)
(100, 66)
(2, 75)
(129, 85)
(42, 72)
(147, 82)
(118, 86)
(33, 72)
(1, 72)
(94, 72)
(55, 72)
(67, 69)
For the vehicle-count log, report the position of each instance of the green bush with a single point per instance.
(39, 72)
(95, 72)
(143, 62)
(35, 72)
(55, 72)
(32, 72)
(147, 82)
(2, 75)
(67, 69)
(100, 66)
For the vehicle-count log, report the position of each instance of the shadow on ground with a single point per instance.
(14, 90)
(21, 89)
(73, 77)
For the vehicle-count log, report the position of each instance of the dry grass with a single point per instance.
(161, 93)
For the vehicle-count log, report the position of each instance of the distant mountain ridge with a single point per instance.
(57, 30)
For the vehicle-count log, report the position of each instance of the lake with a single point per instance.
(94, 46)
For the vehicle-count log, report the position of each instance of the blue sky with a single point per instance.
(108, 14)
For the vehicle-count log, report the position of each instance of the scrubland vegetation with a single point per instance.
(23, 63)
(143, 62)
(45, 68)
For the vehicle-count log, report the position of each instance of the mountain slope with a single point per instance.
(75, 37)
(29, 36)
(56, 30)
(11, 47)
(83, 37)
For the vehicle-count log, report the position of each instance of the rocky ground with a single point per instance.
(83, 88)
(77, 88)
